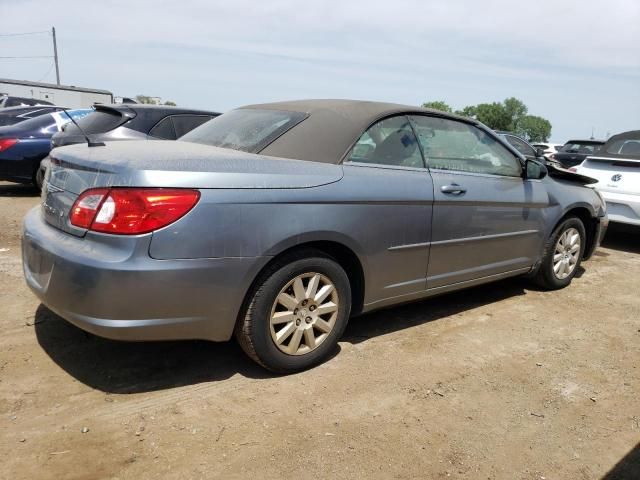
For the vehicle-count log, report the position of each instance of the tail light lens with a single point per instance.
(7, 143)
(572, 169)
(131, 211)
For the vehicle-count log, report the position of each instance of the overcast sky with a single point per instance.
(576, 63)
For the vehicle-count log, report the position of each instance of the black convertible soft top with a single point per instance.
(623, 145)
(332, 126)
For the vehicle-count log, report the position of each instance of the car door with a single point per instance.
(487, 219)
(390, 198)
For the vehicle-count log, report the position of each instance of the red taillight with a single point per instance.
(572, 169)
(7, 143)
(130, 211)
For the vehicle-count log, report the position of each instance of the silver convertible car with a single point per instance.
(278, 222)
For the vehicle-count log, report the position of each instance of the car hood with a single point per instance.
(180, 164)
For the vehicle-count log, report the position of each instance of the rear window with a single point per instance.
(100, 121)
(245, 129)
(581, 147)
(624, 147)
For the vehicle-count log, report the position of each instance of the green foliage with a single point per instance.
(509, 115)
(145, 99)
(534, 129)
(438, 105)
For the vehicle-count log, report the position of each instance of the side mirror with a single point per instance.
(539, 152)
(534, 170)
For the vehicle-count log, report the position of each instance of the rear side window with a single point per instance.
(163, 129)
(452, 145)
(245, 129)
(100, 121)
(389, 142)
(183, 124)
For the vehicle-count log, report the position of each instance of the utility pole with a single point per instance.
(55, 54)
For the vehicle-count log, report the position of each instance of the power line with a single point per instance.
(30, 56)
(21, 34)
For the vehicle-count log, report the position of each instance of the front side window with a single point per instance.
(453, 145)
(389, 142)
(244, 129)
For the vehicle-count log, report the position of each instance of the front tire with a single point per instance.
(296, 312)
(562, 255)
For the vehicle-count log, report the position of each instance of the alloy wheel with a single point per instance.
(566, 254)
(304, 313)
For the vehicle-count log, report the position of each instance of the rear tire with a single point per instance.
(296, 312)
(562, 255)
(38, 177)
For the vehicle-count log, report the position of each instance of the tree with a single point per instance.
(514, 109)
(509, 115)
(493, 115)
(438, 105)
(145, 99)
(534, 129)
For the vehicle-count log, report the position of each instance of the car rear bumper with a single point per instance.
(108, 285)
(622, 207)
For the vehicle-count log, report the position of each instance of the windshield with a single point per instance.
(581, 147)
(245, 129)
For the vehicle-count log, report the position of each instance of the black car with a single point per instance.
(133, 122)
(13, 115)
(575, 151)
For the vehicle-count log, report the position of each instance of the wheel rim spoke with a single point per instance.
(309, 338)
(327, 308)
(283, 334)
(298, 290)
(323, 326)
(287, 300)
(283, 317)
(323, 293)
(312, 288)
(295, 341)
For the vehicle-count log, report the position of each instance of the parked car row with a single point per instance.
(275, 223)
(25, 144)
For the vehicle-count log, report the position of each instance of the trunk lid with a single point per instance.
(76, 168)
(613, 174)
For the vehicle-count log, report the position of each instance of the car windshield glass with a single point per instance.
(245, 129)
(582, 147)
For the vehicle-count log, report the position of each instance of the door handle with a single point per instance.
(453, 189)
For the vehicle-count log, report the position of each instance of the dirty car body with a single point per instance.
(368, 186)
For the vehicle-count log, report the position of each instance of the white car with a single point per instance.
(616, 166)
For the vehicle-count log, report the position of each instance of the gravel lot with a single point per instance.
(498, 382)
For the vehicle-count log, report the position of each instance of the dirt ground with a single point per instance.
(497, 382)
